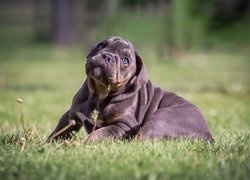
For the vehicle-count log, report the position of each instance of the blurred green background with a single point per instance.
(198, 49)
(173, 27)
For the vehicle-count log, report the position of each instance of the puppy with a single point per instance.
(117, 87)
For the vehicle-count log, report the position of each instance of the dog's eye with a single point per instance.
(101, 46)
(125, 60)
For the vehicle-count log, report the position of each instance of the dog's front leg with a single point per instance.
(117, 130)
(60, 133)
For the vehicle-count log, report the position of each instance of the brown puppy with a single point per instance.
(117, 86)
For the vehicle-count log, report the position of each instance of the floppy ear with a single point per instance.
(141, 72)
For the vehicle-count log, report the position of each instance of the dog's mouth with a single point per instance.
(105, 81)
(101, 75)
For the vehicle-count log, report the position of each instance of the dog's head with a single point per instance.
(112, 63)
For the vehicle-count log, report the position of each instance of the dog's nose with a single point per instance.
(107, 58)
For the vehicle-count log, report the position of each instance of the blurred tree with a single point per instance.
(142, 3)
(227, 12)
(179, 27)
(92, 13)
(63, 22)
(40, 20)
(178, 24)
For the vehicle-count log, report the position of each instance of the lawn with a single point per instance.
(46, 78)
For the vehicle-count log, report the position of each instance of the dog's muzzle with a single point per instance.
(103, 67)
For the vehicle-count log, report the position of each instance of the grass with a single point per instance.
(47, 78)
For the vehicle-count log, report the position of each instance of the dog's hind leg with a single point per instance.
(175, 122)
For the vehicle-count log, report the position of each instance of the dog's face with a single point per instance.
(111, 63)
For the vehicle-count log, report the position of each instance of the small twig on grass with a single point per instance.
(23, 142)
(26, 138)
(37, 134)
(95, 116)
(20, 101)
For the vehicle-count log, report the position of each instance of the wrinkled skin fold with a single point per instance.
(129, 105)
